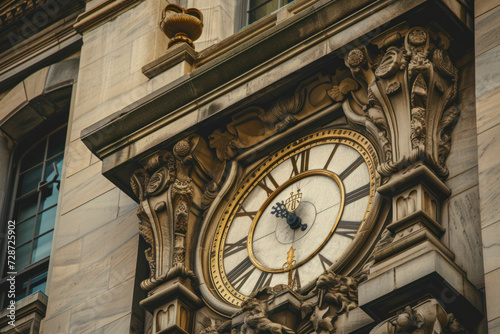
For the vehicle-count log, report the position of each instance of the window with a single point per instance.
(36, 192)
(257, 9)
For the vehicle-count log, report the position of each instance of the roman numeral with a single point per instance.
(238, 275)
(243, 213)
(296, 279)
(331, 156)
(304, 163)
(232, 248)
(267, 186)
(264, 280)
(352, 167)
(324, 262)
(349, 228)
(357, 194)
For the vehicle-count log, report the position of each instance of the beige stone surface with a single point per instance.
(13, 100)
(124, 262)
(487, 106)
(489, 172)
(87, 217)
(488, 71)
(218, 20)
(463, 153)
(100, 245)
(103, 309)
(77, 157)
(35, 83)
(493, 294)
(465, 234)
(487, 31)
(126, 204)
(494, 326)
(84, 186)
(121, 325)
(58, 324)
(69, 288)
(482, 6)
(376, 287)
(463, 181)
(491, 247)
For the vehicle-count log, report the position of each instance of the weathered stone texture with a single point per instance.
(487, 32)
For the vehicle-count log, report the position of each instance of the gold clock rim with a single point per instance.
(349, 137)
(278, 190)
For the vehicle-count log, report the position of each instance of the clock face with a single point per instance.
(295, 215)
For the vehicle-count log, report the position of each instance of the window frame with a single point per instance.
(30, 141)
(245, 11)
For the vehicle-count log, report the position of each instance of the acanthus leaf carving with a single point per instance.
(175, 188)
(410, 88)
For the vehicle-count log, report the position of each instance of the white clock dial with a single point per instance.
(293, 217)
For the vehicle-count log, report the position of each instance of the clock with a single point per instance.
(295, 215)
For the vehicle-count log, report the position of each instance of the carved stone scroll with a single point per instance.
(406, 97)
(175, 188)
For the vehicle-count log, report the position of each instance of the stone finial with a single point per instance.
(181, 25)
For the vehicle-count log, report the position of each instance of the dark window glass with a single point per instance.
(56, 143)
(34, 156)
(41, 247)
(35, 208)
(25, 231)
(258, 9)
(28, 181)
(27, 207)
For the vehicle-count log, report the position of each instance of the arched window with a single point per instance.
(35, 197)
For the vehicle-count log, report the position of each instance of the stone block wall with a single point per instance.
(487, 52)
(460, 216)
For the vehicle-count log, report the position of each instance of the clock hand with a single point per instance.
(294, 221)
(288, 265)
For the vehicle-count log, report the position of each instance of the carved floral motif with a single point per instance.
(174, 189)
(408, 88)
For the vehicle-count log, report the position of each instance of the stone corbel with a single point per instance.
(174, 187)
(428, 317)
(406, 97)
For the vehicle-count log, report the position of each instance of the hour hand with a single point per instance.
(280, 210)
(294, 221)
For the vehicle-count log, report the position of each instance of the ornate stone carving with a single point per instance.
(426, 318)
(257, 320)
(337, 294)
(181, 25)
(255, 124)
(408, 88)
(174, 189)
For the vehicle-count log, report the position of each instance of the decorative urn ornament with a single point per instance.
(181, 25)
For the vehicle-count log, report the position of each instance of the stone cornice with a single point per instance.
(102, 13)
(313, 28)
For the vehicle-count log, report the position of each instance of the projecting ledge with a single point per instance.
(429, 274)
